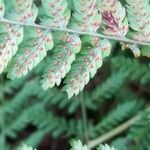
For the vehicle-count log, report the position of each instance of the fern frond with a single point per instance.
(35, 138)
(23, 11)
(117, 116)
(131, 67)
(139, 132)
(18, 100)
(54, 13)
(30, 31)
(11, 37)
(138, 135)
(31, 52)
(139, 19)
(59, 64)
(60, 126)
(88, 62)
(109, 87)
(84, 20)
(36, 41)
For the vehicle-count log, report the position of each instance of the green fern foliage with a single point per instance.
(24, 105)
(12, 35)
(117, 116)
(138, 15)
(22, 10)
(29, 30)
(31, 52)
(88, 61)
(54, 13)
(139, 133)
(76, 45)
(59, 64)
(83, 20)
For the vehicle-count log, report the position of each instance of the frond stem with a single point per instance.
(84, 118)
(51, 28)
(113, 133)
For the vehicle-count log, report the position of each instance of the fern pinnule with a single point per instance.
(35, 43)
(88, 62)
(57, 14)
(31, 52)
(77, 79)
(84, 20)
(21, 11)
(24, 11)
(2, 9)
(12, 36)
(54, 13)
(139, 19)
(59, 64)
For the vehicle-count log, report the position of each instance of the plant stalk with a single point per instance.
(51, 28)
(113, 133)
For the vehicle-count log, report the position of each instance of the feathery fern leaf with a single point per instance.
(84, 20)
(11, 36)
(139, 19)
(139, 132)
(87, 62)
(36, 42)
(31, 52)
(54, 13)
(109, 87)
(30, 31)
(23, 11)
(59, 64)
(131, 67)
(118, 115)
